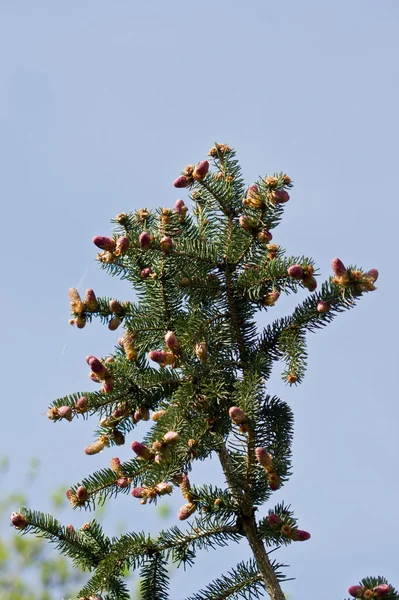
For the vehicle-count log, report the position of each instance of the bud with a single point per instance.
(292, 378)
(264, 458)
(237, 415)
(122, 482)
(272, 250)
(285, 530)
(18, 520)
(201, 351)
(172, 342)
(271, 298)
(219, 149)
(182, 182)
(144, 240)
(105, 243)
(271, 181)
(163, 488)
(82, 494)
(368, 594)
(274, 481)
(279, 196)
(186, 511)
(274, 520)
(114, 323)
(122, 218)
(383, 589)
(85, 527)
(286, 179)
(122, 245)
(52, 414)
(158, 415)
(264, 236)
(95, 448)
(201, 169)
(141, 450)
(295, 271)
(65, 412)
(116, 307)
(171, 438)
(146, 272)
(70, 529)
(166, 243)
(76, 304)
(118, 437)
(310, 283)
(139, 492)
(338, 267)
(81, 404)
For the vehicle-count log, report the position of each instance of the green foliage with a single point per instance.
(193, 353)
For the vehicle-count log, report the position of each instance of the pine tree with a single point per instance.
(191, 355)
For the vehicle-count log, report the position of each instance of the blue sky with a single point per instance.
(101, 105)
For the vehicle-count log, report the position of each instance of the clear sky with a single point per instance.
(101, 105)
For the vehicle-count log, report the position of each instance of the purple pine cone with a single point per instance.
(90, 301)
(264, 458)
(144, 239)
(82, 494)
(201, 169)
(373, 275)
(141, 450)
(338, 267)
(138, 492)
(180, 207)
(123, 482)
(166, 243)
(274, 520)
(171, 341)
(237, 415)
(356, 591)
(122, 244)
(186, 511)
(81, 404)
(323, 307)
(295, 271)
(279, 196)
(65, 412)
(118, 437)
(298, 535)
(105, 243)
(382, 590)
(182, 181)
(146, 272)
(18, 520)
(97, 367)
